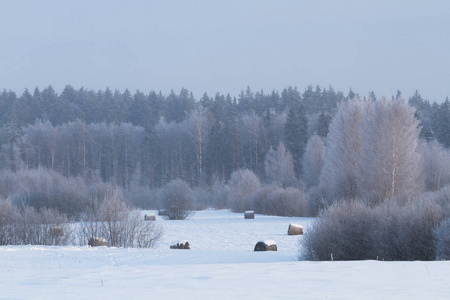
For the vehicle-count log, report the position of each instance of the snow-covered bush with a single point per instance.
(44, 227)
(8, 218)
(405, 231)
(112, 219)
(286, 202)
(41, 188)
(259, 198)
(352, 230)
(442, 240)
(341, 232)
(176, 198)
(278, 201)
(317, 200)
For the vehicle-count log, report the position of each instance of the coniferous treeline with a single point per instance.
(153, 138)
(150, 139)
(352, 160)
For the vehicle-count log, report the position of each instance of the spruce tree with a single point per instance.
(296, 136)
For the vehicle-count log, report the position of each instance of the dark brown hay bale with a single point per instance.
(149, 218)
(56, 231)
(97, 241)
(249, 214)
(180, 245)
(266, 246)
(295, 229)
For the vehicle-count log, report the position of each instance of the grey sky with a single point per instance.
(225, 46)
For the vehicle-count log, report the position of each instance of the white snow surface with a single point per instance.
(269, 242)
(220, 265)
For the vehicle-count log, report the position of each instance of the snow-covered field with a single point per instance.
(220, 265)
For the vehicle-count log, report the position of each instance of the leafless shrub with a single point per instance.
(8, 218)
(259, 198)
(121, 227)
(41, 188)
(176, 198)
(278, 201)
(352, 230)
(442, 240)
(341, 232)
(38, 227)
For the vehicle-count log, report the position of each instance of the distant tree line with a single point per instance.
(154, 138)
(349, 159)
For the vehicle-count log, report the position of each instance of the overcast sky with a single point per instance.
(225, 46)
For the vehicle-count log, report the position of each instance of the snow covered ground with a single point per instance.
(220, 265)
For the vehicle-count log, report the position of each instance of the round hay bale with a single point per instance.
(268, 245)
(149, 218)
(249, 214)
(97, 241)
(295, 229)
(180, 245)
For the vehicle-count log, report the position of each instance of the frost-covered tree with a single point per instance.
(389, 164)
(176, 198)
(199, 125)
(436, 165)
(338, 177)
(279, 166)
(243, 183)
(313, 161)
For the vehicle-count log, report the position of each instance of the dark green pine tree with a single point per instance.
(232, 145)
(351, 94)
(296, 136)
(323, 124)
(424, 115)
(442, 123)
(269, 136)
(215, 157)
(140, 111)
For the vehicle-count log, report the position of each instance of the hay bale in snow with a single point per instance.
(180, 245)
(56, 232)
(295, 229)
(268, 245)
(249, 214)
(149, 218)
(97, 241)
